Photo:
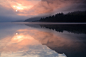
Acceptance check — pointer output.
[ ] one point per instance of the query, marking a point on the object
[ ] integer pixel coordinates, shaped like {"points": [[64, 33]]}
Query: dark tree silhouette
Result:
{"points": [[77, 16]]}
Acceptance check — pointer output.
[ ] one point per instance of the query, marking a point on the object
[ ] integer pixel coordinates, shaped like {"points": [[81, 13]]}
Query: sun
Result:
{"points": [[20, 7], [16, 10]]}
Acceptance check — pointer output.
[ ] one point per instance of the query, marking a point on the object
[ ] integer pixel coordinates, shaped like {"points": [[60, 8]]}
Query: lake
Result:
{"points": [[32, 39]]}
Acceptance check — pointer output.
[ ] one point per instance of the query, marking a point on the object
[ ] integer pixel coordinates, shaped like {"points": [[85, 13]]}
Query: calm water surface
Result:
{"points": [[42, 40]]}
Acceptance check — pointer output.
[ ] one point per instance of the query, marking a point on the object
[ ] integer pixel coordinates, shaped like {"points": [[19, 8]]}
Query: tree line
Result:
{"points": [[77, 16]]}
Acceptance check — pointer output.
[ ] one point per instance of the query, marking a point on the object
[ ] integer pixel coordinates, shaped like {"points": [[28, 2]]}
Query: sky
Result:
{"points": [[12, 10]]}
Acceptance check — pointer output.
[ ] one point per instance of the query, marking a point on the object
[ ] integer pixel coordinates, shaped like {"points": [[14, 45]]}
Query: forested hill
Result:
{"points": [[77, 16]]}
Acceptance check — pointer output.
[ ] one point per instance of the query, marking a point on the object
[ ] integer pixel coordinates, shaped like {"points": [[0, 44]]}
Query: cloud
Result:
{"points": [[37, 7], [48, 6], [31, 8]]}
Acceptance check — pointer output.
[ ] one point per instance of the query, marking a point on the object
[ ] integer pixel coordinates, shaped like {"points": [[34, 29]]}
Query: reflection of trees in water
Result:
{"points": [[77, 49], [73, 28], [59, 43]]}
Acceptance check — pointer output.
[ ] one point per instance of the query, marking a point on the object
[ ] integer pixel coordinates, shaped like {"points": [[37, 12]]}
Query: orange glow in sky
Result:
{"points": [[32, 7], [21, 7]]}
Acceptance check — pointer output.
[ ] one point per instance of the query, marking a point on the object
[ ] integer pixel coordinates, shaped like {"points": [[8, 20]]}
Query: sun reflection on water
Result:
{"points": [[23, 44]]}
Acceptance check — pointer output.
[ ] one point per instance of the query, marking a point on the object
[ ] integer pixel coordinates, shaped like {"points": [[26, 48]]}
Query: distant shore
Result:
{"points": [[74, 17]]}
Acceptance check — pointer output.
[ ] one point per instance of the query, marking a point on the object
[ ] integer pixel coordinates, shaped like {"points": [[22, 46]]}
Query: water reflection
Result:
{"points": [[73, 28], [26, 43], [30, 41], [59, 38]]}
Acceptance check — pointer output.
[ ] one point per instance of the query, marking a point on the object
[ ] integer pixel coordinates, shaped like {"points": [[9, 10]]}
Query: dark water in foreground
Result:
{"points": [[42, 40]]}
